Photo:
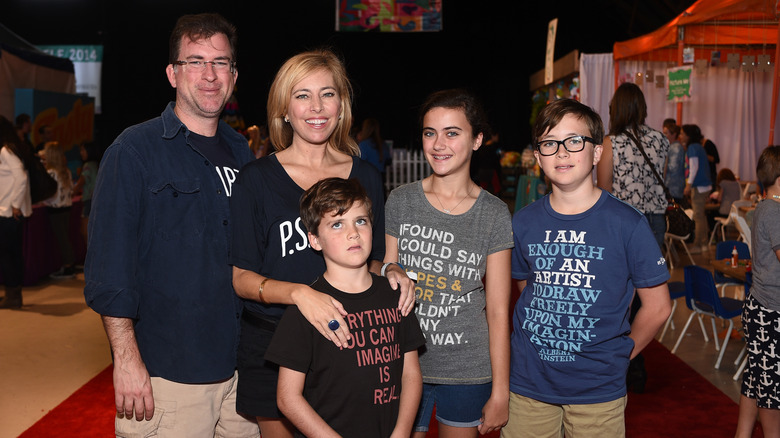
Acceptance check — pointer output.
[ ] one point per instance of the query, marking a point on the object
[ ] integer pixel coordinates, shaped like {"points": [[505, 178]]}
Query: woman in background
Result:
{"points": [[624, 172], [86, 182], [698, 185], [58, 206], [15, 205], [372, 146]]}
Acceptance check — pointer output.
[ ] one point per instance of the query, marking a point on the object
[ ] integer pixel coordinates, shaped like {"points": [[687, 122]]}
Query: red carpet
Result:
{"points": [[677, 402], [89, 412]]}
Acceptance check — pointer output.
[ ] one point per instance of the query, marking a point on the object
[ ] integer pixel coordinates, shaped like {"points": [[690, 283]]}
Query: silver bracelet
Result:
{"points": [[384, 268]]}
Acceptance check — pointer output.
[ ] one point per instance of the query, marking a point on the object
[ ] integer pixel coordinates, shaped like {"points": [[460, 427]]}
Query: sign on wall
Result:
{"points": [[388, 15], [679, 84], [87, 63]]}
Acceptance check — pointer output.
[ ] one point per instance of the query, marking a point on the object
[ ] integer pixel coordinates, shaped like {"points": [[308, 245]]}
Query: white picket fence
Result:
{"points": [[407, 166]]}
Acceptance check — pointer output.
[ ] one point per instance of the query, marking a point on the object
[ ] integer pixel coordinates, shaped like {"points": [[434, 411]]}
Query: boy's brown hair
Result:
{"points": [[332, 196], [768, 167], [551, 115]]}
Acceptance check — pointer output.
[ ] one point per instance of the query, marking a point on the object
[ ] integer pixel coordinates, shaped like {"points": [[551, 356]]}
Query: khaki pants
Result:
{"points": [[529, 418], [191, 410]]}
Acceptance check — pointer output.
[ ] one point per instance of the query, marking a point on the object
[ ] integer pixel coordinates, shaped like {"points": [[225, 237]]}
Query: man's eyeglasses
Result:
{"points": [[200, 66], [572, 144]]}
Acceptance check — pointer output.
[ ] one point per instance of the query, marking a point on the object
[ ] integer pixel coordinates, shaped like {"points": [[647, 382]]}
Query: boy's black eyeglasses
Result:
{"points": [[575, 143], [200, 66]]}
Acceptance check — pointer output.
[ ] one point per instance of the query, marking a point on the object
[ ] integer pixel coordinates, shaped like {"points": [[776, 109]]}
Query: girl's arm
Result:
{"points": [[289, 397], [411, 391], [318, 308], [498, 285]]}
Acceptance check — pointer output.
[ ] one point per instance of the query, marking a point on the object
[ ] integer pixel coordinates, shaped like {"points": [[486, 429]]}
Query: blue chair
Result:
{"points": [[701, 296], [676, 290], [723, 251]]}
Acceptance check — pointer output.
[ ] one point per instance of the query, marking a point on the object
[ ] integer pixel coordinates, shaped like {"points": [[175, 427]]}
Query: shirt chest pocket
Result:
{"points": [[179, 210]]}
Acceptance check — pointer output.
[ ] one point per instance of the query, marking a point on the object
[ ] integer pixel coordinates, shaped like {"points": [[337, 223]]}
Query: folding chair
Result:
{"points": [[670, 238], [676, 290], [701, 296]]}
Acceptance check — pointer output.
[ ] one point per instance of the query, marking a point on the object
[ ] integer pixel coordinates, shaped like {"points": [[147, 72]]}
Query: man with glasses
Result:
{"points": [[156, 267]]}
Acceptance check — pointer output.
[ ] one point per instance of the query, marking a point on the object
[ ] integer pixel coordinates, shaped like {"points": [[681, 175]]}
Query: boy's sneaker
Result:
{"points": [[63, 273]]}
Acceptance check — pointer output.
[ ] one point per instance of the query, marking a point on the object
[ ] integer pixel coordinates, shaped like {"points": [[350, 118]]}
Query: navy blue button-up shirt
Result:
{"points": [[159, 233]]}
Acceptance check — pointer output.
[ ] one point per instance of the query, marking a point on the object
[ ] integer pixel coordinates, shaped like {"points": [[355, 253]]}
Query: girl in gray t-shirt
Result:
{"points": [[456, 238]]}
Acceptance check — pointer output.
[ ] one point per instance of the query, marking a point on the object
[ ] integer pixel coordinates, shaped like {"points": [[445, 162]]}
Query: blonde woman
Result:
{"points": [[58, 206], [309, 121]]}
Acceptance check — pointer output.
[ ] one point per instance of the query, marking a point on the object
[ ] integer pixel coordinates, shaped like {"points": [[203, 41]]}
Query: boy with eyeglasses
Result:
{"points": [[579, 255]]}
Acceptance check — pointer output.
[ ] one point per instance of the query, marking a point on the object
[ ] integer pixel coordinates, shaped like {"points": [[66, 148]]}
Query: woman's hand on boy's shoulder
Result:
{"points": [[399, 280]]}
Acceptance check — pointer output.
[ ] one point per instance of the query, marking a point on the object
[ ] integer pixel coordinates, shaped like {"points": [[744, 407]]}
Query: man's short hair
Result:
{"points": [[198, 27], [332, 196]]}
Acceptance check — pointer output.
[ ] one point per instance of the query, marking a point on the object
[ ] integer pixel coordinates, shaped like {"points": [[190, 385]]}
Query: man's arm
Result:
{"points": [[289, 397], [656, 308], [411, 391], [132, 385]]}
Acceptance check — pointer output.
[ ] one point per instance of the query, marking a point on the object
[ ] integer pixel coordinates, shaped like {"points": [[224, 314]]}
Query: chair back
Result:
{"points": [[701, 295], [723, 249], [744, 231]]}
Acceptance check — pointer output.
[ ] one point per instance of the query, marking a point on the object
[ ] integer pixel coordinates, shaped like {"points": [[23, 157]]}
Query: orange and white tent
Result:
{"points": [[735, 107], [741, 27]]}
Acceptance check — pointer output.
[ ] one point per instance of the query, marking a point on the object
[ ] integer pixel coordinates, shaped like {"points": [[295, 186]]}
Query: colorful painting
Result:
{"points": [[389, 15]]}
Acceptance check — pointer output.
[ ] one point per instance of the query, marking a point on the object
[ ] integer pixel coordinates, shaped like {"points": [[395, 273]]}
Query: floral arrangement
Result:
{"points": [[510, 159]]}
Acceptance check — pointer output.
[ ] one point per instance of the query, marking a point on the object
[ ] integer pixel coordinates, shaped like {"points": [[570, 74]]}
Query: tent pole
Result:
{"points": [[680, 47], [775, 86]]}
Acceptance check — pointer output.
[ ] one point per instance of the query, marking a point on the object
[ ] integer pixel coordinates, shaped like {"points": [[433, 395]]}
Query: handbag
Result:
{"points": [[677, 220]]}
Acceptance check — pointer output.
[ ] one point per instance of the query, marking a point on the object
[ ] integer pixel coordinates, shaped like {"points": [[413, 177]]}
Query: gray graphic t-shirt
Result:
{"points": [[449, 254]]}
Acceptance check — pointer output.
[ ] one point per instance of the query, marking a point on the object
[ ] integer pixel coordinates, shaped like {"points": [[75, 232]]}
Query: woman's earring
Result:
{"points": [[286, 120]]}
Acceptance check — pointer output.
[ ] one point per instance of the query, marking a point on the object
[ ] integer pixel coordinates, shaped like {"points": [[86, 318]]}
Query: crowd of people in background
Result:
{"points": [[287, 235]]}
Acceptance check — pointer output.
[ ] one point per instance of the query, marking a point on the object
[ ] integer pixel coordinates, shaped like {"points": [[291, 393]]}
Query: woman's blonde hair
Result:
{"points": [[295, 70], [54, 157]]}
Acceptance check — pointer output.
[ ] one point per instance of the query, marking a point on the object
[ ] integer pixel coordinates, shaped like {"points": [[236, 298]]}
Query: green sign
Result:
{"points": [[679, 89]]}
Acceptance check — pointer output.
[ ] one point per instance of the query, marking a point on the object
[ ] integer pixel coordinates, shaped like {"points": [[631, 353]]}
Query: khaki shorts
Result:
{"points": [[529, 418], [191, 410]]}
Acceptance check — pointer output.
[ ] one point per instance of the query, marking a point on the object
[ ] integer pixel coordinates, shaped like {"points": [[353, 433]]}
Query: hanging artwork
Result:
{"points": [[679, 84], [388, 15], [764, 64]]}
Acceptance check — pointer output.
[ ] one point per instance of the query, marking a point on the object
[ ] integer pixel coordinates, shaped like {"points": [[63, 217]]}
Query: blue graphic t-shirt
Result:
{"points": [[570, 341]]}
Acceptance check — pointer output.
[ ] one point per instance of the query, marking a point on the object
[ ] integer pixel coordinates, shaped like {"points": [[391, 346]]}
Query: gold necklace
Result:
{"points": [[456, 205]]}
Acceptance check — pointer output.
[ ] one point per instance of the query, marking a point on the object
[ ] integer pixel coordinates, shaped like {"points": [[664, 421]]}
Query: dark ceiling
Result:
{"points": [[491, 49]]}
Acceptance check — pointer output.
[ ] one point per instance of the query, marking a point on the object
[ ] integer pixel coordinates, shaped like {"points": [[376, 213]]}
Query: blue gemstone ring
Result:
{"points": [[333, 325]]}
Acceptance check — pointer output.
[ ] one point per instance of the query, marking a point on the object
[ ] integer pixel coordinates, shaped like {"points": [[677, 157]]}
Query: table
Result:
{"points": [[39, 246], [738, 272]]}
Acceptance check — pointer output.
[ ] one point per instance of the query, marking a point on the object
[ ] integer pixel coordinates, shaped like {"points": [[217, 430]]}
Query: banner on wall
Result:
{"points": [[388, 15], [71, 117], [549, 57], [679, 83], [87, 63]]}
